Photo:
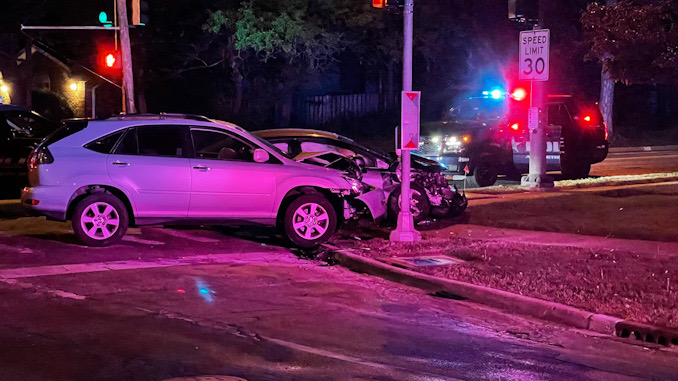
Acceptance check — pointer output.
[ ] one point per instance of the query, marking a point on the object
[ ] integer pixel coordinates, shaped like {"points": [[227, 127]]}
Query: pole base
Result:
{"points": [[537, 182], [404, 231]]}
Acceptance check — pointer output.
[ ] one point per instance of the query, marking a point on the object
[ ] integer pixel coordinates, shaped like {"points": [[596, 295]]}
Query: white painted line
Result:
{"points": [[21, 250], [185, 235], [47, 291], [133, 238], [244, 258]]}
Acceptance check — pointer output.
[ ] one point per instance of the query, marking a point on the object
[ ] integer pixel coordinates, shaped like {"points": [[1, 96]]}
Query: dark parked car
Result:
{"points": [[486, 141], [431, 193], [20, 132]]}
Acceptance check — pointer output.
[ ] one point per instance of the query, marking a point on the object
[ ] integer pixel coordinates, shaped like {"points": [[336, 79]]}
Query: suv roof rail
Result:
{"points": [[160, 116]]}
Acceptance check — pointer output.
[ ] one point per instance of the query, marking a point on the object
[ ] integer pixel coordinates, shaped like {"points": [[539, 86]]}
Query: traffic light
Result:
{"points": [[139, 12], [109, 61], [387, 3]]}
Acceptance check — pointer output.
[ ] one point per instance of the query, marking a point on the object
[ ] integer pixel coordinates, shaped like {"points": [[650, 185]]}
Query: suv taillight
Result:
{"points": [[40, 155]]}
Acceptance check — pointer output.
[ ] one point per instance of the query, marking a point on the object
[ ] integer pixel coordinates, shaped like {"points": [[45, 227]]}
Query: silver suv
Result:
{"points": [[106, 175]]}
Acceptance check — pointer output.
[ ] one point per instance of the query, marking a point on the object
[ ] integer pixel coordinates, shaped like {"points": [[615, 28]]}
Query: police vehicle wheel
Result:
{"points": [[484, 175]]}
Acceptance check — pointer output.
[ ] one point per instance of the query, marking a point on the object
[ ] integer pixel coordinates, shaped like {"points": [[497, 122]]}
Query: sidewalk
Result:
{"points": [[647, 249]]}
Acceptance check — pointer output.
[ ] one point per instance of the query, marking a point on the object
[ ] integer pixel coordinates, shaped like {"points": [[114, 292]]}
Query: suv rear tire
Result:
{"points": [[100, 219], [309, 220]]}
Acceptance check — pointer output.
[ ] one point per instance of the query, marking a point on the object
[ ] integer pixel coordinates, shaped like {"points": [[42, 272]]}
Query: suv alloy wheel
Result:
{"points": [[309, 220], [100, 219]]}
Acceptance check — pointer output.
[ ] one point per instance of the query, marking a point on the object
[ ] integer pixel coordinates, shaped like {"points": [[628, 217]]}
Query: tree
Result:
{"points": [[291, 38], [635, 43]]}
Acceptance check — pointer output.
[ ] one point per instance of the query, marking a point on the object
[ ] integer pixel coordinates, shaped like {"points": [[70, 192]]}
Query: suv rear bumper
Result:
{"points": [[51, 201]]}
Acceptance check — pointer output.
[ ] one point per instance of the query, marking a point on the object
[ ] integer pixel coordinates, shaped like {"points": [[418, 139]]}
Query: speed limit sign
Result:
{"points": [[534, 55]]}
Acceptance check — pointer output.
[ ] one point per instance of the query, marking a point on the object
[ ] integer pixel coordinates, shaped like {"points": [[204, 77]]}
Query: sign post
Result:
{"points": [[409, 132], [534, 67]]}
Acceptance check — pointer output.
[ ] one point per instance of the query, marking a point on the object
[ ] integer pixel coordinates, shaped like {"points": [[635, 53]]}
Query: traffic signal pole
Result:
{"points": [[126, 52], [405, 231]]}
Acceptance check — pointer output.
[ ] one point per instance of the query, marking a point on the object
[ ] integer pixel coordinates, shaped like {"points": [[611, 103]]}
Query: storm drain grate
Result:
{"points": [[423, 261], [646, 333]]}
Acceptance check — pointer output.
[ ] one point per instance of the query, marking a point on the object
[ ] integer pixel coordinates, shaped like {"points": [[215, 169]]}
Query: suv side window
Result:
{"points": [[167, 141], [210, 144]]}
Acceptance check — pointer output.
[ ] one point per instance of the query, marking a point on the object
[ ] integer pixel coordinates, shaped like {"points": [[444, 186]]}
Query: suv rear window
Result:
{"points": [[68, 128], [104, 144]]}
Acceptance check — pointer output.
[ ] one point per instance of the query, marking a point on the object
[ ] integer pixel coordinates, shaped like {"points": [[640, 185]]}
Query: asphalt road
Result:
{"points": [[621, 163], [177, 302], [637, 163]]}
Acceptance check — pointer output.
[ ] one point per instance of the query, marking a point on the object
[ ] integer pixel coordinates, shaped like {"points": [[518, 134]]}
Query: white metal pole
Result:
{"points": [[405, 231]]}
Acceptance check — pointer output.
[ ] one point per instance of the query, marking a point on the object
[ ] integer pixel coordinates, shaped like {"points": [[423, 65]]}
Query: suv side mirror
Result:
{"points": [[260, 155]]}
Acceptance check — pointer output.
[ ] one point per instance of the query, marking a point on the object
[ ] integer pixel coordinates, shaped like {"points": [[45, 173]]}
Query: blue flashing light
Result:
{"points": [[496, 94]]}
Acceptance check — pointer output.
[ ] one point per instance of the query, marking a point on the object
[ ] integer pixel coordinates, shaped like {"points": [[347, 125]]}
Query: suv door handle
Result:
{"points": [[120, 163], [202, 168]]}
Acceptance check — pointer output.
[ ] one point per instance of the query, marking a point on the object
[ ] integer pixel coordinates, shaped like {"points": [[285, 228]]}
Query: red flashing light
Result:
{"points": [[378, 3], [519, 94], [515, 126], [587, 118]]}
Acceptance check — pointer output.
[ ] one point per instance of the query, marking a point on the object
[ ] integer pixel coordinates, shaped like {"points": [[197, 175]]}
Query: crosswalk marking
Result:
{"points": [[244, 258]]}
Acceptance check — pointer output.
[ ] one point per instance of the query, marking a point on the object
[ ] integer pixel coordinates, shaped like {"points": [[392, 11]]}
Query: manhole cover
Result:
{"points": [[423, 261]]}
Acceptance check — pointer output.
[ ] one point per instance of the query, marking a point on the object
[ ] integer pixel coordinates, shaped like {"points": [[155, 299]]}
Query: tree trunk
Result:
{"points": [[237, 82], [607, 98], [607, 91]]}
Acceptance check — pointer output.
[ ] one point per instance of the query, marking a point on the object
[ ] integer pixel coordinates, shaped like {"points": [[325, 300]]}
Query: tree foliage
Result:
{"points": [[637, 42]]}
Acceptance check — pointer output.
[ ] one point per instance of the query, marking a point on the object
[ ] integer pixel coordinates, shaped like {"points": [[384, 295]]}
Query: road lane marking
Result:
{"points": [[43, 290], [207, 259], [133, 238], [185, 235], [20, 250]]}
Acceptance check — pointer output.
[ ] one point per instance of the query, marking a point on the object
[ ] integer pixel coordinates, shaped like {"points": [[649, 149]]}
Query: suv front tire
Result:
{"points": [[309, 220]]}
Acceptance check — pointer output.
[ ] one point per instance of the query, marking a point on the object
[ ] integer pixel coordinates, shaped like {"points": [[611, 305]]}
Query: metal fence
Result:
{"points": [[326, 108]]}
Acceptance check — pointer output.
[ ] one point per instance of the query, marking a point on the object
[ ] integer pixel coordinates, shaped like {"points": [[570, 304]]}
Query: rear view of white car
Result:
{"points": [[106, 175]]}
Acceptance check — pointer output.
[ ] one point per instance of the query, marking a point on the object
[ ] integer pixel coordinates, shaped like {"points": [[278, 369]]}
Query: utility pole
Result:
{"points": [[405, 231], [537, 179], [126, 53]]}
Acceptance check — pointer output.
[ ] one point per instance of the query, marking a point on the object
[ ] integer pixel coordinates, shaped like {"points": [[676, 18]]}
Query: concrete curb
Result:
{"points": [[643, 149], [514, 303]]}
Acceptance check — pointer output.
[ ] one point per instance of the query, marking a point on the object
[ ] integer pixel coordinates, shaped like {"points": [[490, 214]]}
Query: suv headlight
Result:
{"points": [[356, 186]]}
